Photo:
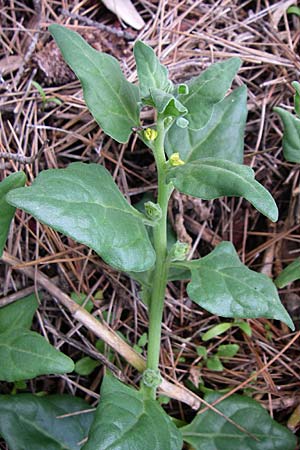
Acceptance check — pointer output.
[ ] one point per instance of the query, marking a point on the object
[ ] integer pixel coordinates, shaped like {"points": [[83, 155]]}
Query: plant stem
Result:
{"points": [[160, 272]]}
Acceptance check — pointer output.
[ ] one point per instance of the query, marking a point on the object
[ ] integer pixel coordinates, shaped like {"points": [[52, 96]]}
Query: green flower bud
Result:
{"points": [[179, 251], [168, 121], [182, 89], [152, 211], [152, 378], [181, 122]]}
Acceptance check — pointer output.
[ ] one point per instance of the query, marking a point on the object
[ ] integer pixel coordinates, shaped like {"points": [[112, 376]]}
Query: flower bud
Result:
{"points": [[179, 251], [152, 378], [150, 134], [152, 211], [175, 160]]}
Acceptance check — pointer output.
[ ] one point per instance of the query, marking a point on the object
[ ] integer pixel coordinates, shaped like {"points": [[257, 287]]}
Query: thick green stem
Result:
{"points": [[160, 272]]}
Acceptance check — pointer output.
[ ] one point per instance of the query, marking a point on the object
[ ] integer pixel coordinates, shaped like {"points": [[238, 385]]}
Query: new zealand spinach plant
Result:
{"points": [[291, 152], [197, 143]]}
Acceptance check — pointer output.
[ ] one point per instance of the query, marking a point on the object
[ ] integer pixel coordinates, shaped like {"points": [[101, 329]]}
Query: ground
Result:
{"points": [[49, 126]]}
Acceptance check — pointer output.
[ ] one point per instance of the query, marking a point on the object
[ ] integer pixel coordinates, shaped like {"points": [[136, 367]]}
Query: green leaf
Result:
{"points": [[210, 431], [294, 10], [125, 420], [80, 300], [40, 91], [245, 327], [83, 202], [112, 100], [85, 366], [289, 274], [296, 86], [14, 181], [151, 74], [201, 351], [27, 355], [222, 137], [223, 285], [227, 350], [143, 340], [178, 273], [18, 314], [207, 89], [216, 331], [211, 178], [291, 135], [166, 104], [35, 423], [213, 363]]}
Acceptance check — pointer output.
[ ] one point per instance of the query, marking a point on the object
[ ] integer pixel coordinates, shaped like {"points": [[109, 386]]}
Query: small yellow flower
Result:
{"points": [[175, 160], [150, 134]]}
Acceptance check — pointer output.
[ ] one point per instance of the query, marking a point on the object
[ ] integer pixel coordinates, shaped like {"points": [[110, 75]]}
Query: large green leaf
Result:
{"points": [[151, 74], [222, 137], [289, 274], [14, 181], [25, 354], [206, 90], [211, 178], [291, 135], [18, 314], [211, 431], [223, 285], [125, 421], [28, 422], [112, 100], [83, 202]]}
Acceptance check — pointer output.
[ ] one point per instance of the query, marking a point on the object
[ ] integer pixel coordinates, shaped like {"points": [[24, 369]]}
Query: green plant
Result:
{"points": [[291, 152], [26, 353], [44, 97], [197, 143], [213, 362], [294, 10]]}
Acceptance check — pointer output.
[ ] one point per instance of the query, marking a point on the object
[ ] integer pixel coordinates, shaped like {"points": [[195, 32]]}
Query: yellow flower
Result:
{"points": [[150, 134], [175, 160]]}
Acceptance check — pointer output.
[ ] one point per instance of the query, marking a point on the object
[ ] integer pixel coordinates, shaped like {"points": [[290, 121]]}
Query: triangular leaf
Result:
{"points": [[223, 285], [151, 74], [84, 203], [291, 135], [206, 90], [211, 431], [112, 100], [211, 178], [289, 274], [27, 355], [35, 423], [18, 314], [222, 137], [14, 181], [124, 420]]}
